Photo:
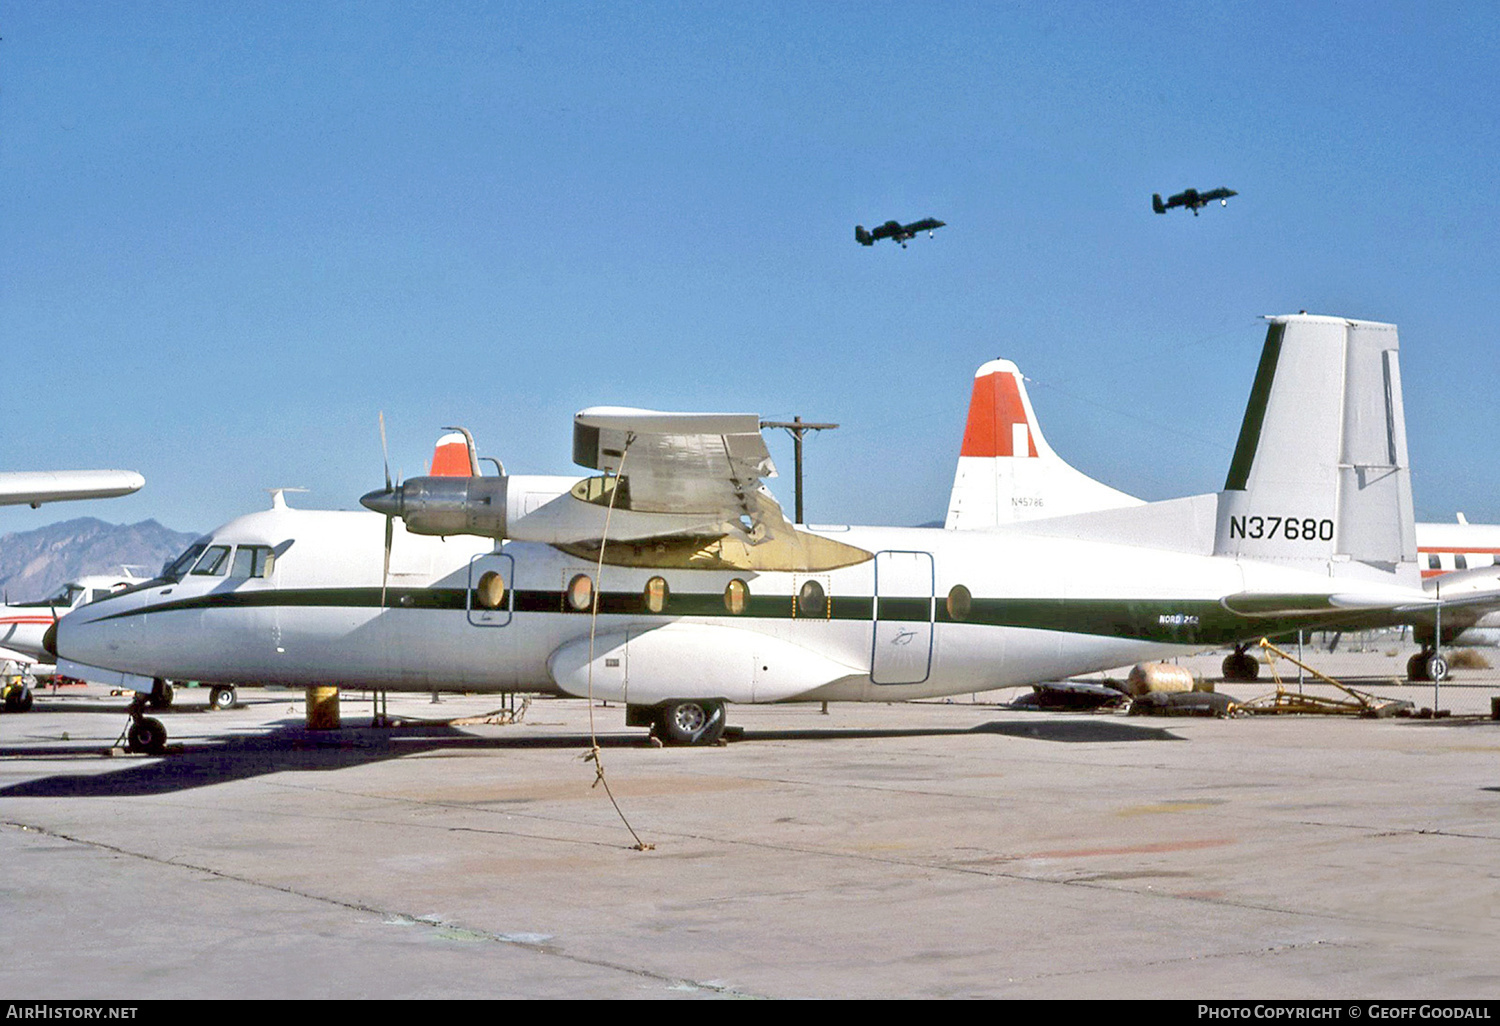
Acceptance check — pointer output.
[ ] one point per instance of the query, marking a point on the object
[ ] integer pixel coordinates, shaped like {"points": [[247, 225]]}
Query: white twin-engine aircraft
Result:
{"points": [[1007, 473], [707, 594]]}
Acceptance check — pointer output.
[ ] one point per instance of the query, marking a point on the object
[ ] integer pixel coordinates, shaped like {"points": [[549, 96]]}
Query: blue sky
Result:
{"points": [[232, 234]]}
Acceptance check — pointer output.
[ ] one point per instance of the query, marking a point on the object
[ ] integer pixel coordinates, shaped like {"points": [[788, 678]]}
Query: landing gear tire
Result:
{"points": [[146, 735], [161, 694], [692, 722], [1241, 666], [1427, 666], [222, 698], [19, 699]]}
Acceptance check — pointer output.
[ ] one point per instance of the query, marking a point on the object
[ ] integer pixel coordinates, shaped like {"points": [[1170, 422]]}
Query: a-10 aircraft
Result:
{"points": [[902, 233], [706, 595], [1192, 199]]}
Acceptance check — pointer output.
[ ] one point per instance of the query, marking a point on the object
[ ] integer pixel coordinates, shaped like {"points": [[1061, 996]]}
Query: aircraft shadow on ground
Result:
{"points": [[291, 747]]}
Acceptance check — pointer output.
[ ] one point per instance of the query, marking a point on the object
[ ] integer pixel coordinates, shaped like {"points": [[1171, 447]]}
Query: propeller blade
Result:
{"points": [[385, 570], [385, 453]]}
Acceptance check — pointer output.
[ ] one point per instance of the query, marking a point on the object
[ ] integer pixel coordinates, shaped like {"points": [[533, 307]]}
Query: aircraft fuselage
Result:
{"points": [[926, 612]]}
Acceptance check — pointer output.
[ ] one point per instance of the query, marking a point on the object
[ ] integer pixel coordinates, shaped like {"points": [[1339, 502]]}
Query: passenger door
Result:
{"points": [[901, 645]]}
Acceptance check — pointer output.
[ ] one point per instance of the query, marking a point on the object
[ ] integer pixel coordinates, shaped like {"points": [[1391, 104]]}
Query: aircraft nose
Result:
{"points": [[386, 501]]}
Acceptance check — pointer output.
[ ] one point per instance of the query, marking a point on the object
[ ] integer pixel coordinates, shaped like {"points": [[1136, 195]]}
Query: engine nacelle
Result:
{"points": [[485, 506], [446, 505]]}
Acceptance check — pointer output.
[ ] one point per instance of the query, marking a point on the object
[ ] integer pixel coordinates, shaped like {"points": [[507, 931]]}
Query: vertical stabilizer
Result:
{"points": [[453, 456], [1320, 473], [1006, 470]]}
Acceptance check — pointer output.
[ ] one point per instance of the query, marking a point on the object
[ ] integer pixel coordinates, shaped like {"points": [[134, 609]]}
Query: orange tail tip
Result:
{"points": [[450, 458], [998, 425]]}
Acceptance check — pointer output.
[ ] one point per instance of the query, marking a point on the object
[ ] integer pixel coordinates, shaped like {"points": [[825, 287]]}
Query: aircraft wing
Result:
{"points": [[35, 488], [927, 224], [683, 463]]}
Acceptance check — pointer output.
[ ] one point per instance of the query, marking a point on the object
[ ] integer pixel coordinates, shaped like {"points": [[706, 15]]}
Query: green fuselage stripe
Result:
{"points": [[1186, 622]]}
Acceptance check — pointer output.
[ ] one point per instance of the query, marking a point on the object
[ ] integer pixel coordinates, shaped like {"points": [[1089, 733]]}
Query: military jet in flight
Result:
{"points": [[1192, 199], [896, 230]]}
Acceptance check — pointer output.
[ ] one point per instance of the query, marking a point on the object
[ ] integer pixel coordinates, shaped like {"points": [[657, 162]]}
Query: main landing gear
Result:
{"points": [[690, 721], [1240, 666], [1427, 665]]}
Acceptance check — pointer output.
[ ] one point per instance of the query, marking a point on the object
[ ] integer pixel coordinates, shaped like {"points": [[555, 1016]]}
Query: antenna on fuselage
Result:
{"points": [[278, 496]]}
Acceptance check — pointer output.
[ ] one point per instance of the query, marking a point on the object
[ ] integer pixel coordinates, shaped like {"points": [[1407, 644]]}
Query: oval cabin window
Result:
{"points": [[959, 602], [490, 591], [655, 595], [736, 596], [581, 592], [811, 600]]}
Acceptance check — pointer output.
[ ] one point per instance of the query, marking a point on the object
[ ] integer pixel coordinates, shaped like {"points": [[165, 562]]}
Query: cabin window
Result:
{"points": [[736, 596], [959, 602], [655, 595], [490, 591], [581, 593], [214, 563], [252, 561], [1461, 561], [812, 600], [1433, 563]]}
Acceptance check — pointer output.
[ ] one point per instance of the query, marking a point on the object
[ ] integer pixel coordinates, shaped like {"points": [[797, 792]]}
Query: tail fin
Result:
{"points": [[1156, 203], [863, 237], [1320, 473], [454, 456], [1006, 470]]}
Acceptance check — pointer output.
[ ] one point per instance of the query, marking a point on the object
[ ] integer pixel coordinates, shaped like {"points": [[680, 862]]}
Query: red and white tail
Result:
{"points": [[453, 456], [1006, 470]]}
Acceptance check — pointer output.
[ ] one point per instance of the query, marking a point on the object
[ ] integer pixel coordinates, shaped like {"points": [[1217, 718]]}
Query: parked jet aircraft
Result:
{"points": [[33, 488], [896, 230], [1008, 473], [24, 624], [705, 594], [1192, 199]]}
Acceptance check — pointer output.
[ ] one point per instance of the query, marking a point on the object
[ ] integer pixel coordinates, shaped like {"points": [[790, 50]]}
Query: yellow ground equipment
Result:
{"points": [[1359, 703]]}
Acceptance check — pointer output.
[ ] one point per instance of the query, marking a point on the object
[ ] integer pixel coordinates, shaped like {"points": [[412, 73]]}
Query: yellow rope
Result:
{"points": [[594, 755]]}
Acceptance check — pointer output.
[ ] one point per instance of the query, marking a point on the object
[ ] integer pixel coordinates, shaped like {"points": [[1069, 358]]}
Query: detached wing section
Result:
{"points": [[35, 488], [676, 490], [707, 466]]}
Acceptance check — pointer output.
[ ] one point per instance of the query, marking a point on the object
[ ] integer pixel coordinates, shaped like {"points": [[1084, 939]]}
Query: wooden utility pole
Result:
{"points": [[796, 427]]}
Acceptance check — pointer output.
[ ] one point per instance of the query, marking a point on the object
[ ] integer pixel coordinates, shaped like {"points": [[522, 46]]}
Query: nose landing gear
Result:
{"points": [[145, 733]]}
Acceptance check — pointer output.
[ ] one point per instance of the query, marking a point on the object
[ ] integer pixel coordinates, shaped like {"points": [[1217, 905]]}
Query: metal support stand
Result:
{"points": [[381, 717], [1437, 641]]}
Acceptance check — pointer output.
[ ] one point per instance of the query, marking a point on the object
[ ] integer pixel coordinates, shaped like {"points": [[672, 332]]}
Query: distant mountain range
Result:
{"points": [[35, 564]]}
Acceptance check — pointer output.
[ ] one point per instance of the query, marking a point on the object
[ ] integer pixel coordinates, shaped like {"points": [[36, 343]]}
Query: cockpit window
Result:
{"points": [[67, 596], [213, 563], [252, 561], [179, 566]]}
